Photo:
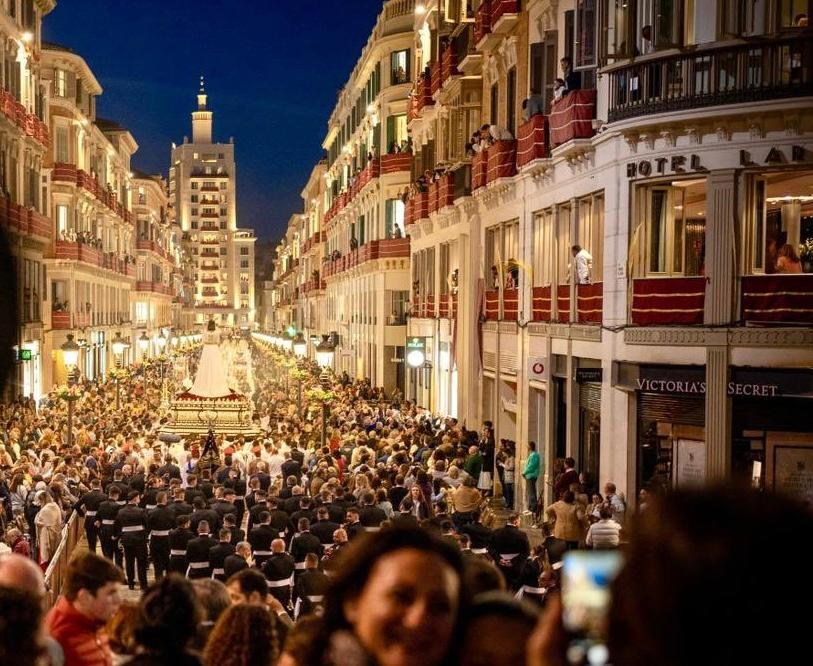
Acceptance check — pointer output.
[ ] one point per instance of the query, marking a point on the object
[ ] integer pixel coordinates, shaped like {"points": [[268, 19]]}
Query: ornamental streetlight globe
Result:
{"points": [[415, 358], [70, 351], [161, 341], [119, 344], [143, 342], [324, 353]]}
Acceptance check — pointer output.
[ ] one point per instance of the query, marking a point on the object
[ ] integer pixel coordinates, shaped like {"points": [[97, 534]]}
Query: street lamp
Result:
{"points": [[119, 344], [287, 342], [324, 357], [300, 346], [70, 354], [161, 341], [143, 343]]}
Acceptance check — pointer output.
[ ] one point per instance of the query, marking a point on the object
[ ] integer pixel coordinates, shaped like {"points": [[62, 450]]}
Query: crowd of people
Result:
{"points": [[378, 544]]}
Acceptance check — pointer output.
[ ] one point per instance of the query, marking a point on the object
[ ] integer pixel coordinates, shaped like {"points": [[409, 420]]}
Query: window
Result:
{"points": [[222, 224], [194, 211], [244, 251], [399, 67], [244, 263], [794, 13], [62, 146], [194, 198], [223, 185], [495, 103], [223, 211], [60, 83], [779, 213], [221, 156], [585, 45], [61, 219], [590, 230], [394, 218], [543, 244], [396, 131], [671, 237], [194, 184], [141, 312]]}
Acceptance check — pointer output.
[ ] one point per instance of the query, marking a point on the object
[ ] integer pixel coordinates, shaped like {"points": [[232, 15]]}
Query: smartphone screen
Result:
{"points": [[586, 578]]}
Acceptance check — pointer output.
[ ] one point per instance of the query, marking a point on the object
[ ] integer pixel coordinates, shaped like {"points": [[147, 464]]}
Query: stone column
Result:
{"points": [[720, 262], [718, 411]]}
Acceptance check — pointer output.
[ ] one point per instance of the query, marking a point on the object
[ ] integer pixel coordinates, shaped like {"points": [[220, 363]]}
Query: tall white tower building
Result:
{"points": [[203, 191]]}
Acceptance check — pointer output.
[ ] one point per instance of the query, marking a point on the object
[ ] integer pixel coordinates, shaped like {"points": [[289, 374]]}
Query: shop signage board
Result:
{"points": [[789, 468], [743, 382], [585, 375], [690, 463], [538, 369]]}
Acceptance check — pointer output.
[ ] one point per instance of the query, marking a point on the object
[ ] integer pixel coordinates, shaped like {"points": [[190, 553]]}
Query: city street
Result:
{"points": [[499, 350]]}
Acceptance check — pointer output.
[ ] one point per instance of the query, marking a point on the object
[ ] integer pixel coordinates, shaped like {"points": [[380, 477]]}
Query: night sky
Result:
{"points": [[272, 70]]}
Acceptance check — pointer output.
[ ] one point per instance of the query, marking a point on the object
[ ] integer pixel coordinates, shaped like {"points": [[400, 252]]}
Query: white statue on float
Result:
{"points": [[210, 403]]}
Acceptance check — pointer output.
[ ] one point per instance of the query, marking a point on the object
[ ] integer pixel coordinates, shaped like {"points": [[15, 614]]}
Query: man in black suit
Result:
{"points": [[310, 587], [279, 571], [509, 549], [219, 553], [397, 492], [260, 538], [324, 528], [237, 561], [200, 513], [131, 526], [303, 543], [573, 80], [197, 552], [291, 467], [87, 506], [237, 534], [370, 515], [161, 521], [179, 539]]}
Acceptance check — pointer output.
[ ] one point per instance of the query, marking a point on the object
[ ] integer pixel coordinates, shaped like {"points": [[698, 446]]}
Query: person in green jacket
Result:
{"points": [[474, 463], [531, 474]]}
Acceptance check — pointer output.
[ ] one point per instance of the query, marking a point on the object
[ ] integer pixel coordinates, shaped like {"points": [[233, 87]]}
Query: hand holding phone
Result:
{"points": [[586, 579]]}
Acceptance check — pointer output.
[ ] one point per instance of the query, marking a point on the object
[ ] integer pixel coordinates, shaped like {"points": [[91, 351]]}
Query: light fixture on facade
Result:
{"points": [[143, 342], [420, 9], [119, 344], [27, 37]]}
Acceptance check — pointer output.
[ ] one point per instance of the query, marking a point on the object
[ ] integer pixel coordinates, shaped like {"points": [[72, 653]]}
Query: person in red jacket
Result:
{"points": [[91, 598]]}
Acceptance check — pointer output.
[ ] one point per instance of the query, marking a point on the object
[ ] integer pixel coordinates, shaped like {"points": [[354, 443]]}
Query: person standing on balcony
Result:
{"points": [[573, 80], [583, 261], [533, 106]]}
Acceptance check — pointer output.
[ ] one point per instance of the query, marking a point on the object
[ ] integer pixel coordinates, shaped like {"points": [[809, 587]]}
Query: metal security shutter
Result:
{"points": [[590, 396], [672, 409]]}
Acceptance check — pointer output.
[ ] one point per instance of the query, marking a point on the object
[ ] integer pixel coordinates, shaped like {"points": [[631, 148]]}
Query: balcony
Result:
{"points": [[420, 97], [563, 303], [153, 287], [504, 15], [28, 122], [710, 77], [152, 246], [479, 170], [365, 177], [470, 61], [668, 301], [75, 251], [24, 221], [482, 25], [448, 63], [417, 208], [63, 173], [589, 303], [542, 303], [572, 117], [777, 299], [502, 159], [510, 305], [396, 162], [492, 308], [435, 77], [532, 142]]}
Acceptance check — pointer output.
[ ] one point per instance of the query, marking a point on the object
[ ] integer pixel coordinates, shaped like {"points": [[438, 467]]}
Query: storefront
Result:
{"points": [[768, 407], [588, 379]]}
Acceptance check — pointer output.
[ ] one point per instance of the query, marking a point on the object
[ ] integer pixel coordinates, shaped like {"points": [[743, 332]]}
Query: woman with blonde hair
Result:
{"points": [[244, 635]]}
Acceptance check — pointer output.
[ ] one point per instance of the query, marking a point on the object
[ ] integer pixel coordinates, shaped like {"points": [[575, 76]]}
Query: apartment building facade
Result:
{"points": [[24, 138], [679, 160], [202, 191], [352, 259]]}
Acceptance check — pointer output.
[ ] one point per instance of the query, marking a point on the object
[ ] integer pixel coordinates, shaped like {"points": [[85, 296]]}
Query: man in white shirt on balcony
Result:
{"points": [[583, 261]]}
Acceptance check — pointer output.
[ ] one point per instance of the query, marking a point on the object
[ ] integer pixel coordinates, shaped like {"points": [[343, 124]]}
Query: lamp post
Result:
{"points": [[118, 344], [300, 345], [144, 346], [70, 354], [324, 357]]}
